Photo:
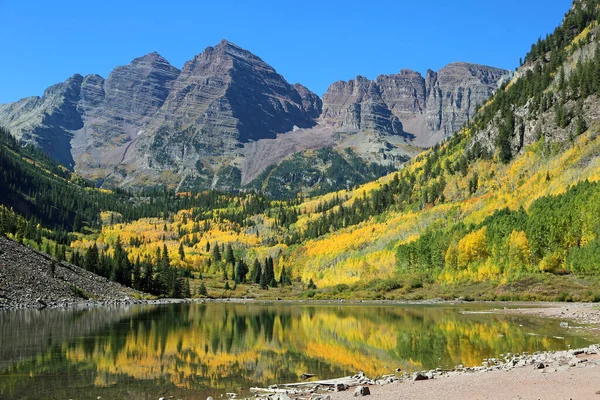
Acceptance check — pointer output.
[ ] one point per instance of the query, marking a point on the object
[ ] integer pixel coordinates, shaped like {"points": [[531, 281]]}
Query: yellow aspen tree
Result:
{"points": [[519, 253], [472, 248]]}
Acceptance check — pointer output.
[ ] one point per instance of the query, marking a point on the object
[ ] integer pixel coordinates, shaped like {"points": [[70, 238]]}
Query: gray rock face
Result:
{"points": [[426, 109], [228, 90], [311, 103], [358, 105], [455, 92], [47, 121]]}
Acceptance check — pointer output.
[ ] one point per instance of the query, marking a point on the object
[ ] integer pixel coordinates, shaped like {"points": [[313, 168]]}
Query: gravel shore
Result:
{"points": [[569, 374]]}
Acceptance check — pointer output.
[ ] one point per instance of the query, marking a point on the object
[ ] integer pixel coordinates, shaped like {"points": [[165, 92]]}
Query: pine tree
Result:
{"points": [[229, 257], [256, 271], [284, 278], [216, 253], [241, 270], [187, 293], [263, 281], [148, 279], [581, 125], [270, 273], [91, 259], [202, 290], [137, 275], [165, 260], [77, 223], [225, 276], [181, 252]]}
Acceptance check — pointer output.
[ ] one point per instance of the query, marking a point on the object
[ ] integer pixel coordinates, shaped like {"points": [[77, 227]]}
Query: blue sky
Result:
{"points": [[312, 42]]}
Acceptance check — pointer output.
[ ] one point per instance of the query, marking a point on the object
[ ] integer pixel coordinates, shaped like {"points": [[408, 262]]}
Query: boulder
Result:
{"points": [[362, 391], [419, 376]]}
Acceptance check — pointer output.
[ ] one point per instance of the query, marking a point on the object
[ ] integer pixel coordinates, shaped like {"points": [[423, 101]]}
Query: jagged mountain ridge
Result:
{"points": [[150, 123], [425, 109]]}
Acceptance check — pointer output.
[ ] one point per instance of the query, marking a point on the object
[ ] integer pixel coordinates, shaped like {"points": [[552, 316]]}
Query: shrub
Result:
{"points": [[77, 291], [564, 297], [387, 285]]}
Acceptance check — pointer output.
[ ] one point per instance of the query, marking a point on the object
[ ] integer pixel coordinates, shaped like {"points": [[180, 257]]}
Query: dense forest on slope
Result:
{"points": [[507, 208]]}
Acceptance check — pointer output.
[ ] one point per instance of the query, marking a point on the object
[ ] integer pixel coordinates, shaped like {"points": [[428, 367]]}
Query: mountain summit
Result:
{"points": [[227, 116]]}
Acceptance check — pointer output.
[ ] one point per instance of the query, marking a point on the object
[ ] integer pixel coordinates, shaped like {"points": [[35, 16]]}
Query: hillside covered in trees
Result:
{"points": [[509, 208]]}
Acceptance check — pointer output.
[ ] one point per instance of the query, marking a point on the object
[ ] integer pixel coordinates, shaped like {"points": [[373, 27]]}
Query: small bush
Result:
{"points": [[77, 291], [416, 283], [342, 287], [387, 285], [564, 297]]}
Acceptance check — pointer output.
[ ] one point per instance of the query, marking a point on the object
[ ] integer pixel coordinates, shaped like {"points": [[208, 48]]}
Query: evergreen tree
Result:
{"points": [[256, 271], [581, 125], [77, 223], [91, 259], [284, 279], [270, 272], [148, 278], [187, 293], [229, 257], [225, 275], [137, 275], [181, 252], [202, 290], [263, 281], [216, 253], [241, 270]]}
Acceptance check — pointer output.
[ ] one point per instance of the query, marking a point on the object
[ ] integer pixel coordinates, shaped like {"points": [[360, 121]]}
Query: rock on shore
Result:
{"points": [[31, 279]]}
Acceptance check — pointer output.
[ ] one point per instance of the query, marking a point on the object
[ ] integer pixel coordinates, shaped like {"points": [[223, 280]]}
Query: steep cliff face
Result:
{"points": [[226, 96], [454, 93], [116, 111], [47, 122], [424, 109]]}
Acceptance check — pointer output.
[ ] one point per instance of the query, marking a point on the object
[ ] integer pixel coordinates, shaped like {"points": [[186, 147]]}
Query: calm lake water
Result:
{"points": [[191, 351]]}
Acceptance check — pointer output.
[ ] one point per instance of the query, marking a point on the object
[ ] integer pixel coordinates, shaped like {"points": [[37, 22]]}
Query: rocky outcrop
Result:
{"points": [[424, 109], [311, 103], [227, 90], [49, 121], [358, 105], [31, 279], [454, 93]]}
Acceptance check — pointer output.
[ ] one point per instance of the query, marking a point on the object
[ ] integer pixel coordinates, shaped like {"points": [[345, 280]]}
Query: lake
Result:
{"points": [[196, 350]]}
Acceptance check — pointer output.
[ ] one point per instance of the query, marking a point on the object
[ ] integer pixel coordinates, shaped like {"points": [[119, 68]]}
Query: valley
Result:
{"points": [[212, 228]]}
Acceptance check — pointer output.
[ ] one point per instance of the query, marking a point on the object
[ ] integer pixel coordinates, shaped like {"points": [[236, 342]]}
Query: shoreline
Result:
{"points": [[565, 374], [570, 374], [585, 313]]}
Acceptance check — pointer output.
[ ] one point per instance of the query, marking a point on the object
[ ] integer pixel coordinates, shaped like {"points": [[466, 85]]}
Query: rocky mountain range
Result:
{"points": [[227, 120]]}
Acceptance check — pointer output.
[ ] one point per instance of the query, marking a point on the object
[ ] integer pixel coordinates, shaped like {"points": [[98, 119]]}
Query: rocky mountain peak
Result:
{"points": [[408, 72], [148, 121], [429, 108], [151, 59]]}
